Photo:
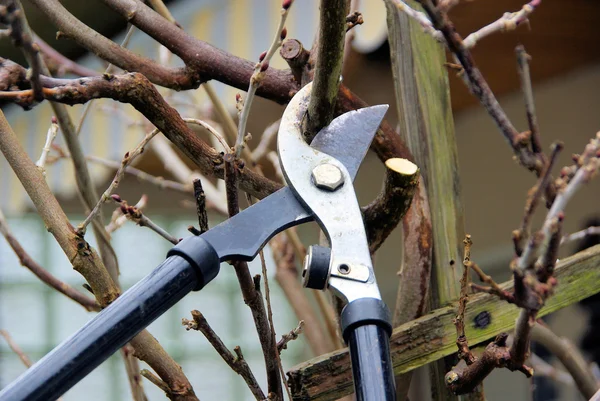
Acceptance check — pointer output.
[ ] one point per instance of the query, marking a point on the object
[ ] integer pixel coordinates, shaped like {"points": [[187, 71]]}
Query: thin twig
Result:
{"points": [[270, 313], [160, 182], [52, 131], [118, 219], [579, 235], [521, 235], [134, 214], [523, 69], [200, 205], [292, 335], [259, 74], [156, 381], [237, 363], [508, 22], [27, 261], [16, 349], [545, 369], [461, 339], [127, 159]]}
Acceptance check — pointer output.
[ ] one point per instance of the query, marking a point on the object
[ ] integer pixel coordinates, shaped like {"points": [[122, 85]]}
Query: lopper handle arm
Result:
{"points": [[189, 266]]}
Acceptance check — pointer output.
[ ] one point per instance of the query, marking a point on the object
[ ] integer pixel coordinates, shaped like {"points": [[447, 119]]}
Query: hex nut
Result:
{"points": [[327, 176]]}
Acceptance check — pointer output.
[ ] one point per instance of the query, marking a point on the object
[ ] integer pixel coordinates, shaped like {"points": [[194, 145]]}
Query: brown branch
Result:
{"points": [[523, 69], [200, 206], [579, 235], [292, 335], [401, 180], [136, 90], [521, 235], [27, 261], [237, 363], [135, 214], [296, 56], [12, 14], [69, 26], [82, 175], [461, 339], [16, 349], [327, 73], [569, 356], [494, 356], [414, 275]]}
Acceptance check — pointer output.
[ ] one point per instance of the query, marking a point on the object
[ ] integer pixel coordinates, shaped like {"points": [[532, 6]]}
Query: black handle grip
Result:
{"points": [[366, 328], [190, 266], [371, 363]]}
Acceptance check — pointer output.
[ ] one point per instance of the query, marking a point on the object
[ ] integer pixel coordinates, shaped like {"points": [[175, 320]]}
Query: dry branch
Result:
{"points": [[328, 69], [28, 262], [237, 363]]}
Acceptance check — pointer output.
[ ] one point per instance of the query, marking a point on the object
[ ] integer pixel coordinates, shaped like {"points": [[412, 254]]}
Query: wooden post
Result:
{"points": [[426, 124]]}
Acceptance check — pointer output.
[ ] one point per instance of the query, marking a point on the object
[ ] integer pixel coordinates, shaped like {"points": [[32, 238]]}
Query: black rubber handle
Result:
{"points": [[190, 266], [366, 328]]}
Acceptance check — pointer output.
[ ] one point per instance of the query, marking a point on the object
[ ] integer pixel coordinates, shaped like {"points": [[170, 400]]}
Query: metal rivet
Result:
{"points": [[327, 176], [344, 269]]}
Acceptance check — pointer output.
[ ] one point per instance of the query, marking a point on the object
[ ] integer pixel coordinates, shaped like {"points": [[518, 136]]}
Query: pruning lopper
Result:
{"points": [[319, 179]]}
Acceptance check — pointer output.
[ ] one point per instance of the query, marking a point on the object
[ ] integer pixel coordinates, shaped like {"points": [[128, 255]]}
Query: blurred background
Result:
{"points": [[563, 40]]}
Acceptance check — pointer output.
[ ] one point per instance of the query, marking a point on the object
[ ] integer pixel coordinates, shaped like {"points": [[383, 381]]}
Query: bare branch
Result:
{"points": [[258, 76], [292, 335], [135, 214], [238, 364], [52, 131], [127, 159], [328, 69], [16, 349]]}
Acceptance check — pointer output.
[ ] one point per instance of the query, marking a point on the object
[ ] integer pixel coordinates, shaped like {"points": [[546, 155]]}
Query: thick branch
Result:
{"points": [[71, 27], [330, 53], [401, 181]]}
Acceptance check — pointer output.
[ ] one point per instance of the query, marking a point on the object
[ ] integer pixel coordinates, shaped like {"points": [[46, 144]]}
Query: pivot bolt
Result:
{"points": [[327, 176]]}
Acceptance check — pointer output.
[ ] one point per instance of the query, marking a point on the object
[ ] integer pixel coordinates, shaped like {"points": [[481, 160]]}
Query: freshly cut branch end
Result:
{"points": [[401, 166]]}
